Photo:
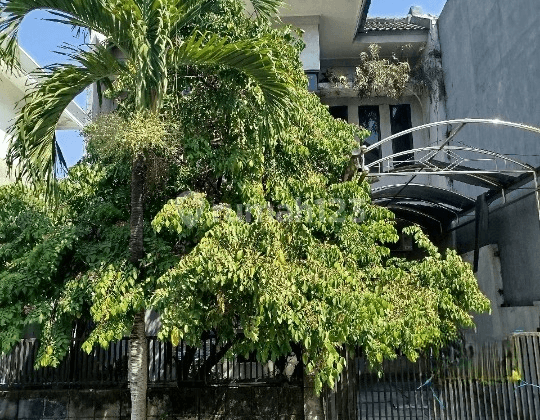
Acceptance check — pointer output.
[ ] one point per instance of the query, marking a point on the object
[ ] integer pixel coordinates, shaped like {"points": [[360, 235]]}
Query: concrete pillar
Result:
{"points": [[386, 131], [313, 408], [311, 55]]}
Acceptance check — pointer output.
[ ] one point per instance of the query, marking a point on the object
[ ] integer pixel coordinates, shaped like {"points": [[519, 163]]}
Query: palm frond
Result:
{"points": [[250, 57], [33, 148], [113, 19], [188, 11], [9, 47], [163, 22], [150, 55], [267, 8]]}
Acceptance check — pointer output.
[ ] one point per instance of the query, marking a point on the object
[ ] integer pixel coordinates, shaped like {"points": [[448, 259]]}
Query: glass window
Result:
{"points": [[341, 111], [400, 120], [312, 80], [369, 118]]}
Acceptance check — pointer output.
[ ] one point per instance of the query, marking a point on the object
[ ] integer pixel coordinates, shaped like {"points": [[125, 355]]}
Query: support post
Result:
{"points": [[313, 408], [536, 194], [481, 227]]}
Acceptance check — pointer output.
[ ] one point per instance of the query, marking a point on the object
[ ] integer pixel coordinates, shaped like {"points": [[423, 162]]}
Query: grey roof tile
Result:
{"points": [[390, 24]]}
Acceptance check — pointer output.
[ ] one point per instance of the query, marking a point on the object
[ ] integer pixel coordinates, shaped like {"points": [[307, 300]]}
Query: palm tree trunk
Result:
{"points": [[138, 368], [138, 357], [138, 178]]}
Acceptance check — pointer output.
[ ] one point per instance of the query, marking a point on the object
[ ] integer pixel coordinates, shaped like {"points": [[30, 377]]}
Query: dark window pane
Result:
{"points": [[341, 111], [400, 119], [368, 117], [312, 81]]}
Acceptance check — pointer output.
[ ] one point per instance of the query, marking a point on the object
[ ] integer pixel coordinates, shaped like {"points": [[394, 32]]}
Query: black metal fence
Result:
{"points": [[102, 367], [494, 381], [167, 365], [184, 365]]}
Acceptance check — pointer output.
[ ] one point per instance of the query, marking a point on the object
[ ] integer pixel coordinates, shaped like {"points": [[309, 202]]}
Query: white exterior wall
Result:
{"points": [[3, 138], [9, 96], [311, 56]]}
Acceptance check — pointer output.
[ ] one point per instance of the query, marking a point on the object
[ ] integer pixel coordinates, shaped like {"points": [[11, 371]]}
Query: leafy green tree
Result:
{"points": [[280, 239], [265, 238], [145, 39]]}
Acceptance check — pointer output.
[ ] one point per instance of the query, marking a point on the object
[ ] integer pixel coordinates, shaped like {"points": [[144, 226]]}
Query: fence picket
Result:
{"points": [[523, 391], [462, 390], [421, 380], [473, 383], [351, 386], [383, 399], [451, 398], [445, 397], [418, 402], [531, 374], [499, 350], [494, 380], [536, 368], [470, 384]]}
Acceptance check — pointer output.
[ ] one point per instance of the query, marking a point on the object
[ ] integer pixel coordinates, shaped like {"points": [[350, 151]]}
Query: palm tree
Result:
{"points": [[146, 33]]}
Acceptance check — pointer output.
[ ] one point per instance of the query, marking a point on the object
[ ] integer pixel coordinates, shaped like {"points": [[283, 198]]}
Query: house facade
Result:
{"points": [[472, 185]]}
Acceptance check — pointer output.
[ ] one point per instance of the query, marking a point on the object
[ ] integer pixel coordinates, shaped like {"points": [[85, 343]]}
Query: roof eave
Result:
{"points": [[401, 36], [362, 16], [73, 117]]}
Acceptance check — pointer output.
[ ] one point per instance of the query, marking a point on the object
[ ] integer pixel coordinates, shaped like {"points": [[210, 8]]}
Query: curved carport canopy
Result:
{"points": [[425, 205], [432, 206]]}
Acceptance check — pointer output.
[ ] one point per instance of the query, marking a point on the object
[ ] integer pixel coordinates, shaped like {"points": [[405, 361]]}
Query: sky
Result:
{"points": [[40, 39], [396, 8]]}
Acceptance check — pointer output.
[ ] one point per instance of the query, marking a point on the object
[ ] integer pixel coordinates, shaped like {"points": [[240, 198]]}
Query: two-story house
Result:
{"points": [[471, 184]]}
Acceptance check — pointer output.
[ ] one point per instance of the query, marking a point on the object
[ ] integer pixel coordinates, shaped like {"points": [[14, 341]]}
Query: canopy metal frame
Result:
{"points": [[448, 160]]}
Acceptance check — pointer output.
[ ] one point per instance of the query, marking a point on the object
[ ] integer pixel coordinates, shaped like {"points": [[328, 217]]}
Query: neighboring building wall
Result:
{"points": [[490, 59], [490, 55], [515, 228]]}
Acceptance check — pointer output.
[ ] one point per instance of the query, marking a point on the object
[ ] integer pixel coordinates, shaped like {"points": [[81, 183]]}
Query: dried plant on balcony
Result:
{"points": [[337, 77], [377, 76]]}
